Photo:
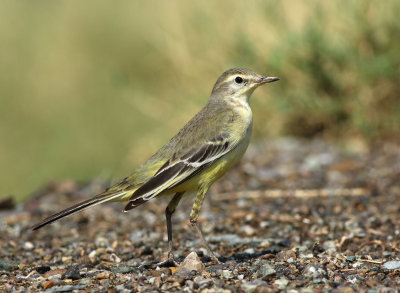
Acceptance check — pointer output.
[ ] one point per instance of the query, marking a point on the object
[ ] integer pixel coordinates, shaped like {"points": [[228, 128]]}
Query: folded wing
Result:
{"points": [[178, 170]]}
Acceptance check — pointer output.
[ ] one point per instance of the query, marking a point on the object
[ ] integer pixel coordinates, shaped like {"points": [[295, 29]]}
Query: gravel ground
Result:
{"points": [[296, 216]]}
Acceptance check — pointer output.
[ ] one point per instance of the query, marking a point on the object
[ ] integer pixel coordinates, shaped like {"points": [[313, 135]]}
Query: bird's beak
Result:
{"points": [[266, 79]]}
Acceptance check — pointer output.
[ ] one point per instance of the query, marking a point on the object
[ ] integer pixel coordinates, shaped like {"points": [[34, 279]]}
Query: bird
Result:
{"points": [[210, 144]]}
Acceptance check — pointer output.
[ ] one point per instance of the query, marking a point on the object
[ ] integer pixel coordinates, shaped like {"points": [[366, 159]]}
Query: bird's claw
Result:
{"points": [[169, 262]]}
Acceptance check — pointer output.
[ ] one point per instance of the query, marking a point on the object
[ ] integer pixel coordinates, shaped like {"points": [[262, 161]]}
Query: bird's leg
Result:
{"points": [[168, 215], [194, 215]]}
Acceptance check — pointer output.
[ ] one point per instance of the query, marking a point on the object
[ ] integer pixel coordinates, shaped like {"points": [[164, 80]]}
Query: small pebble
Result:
{"points": [[72, 273], [56, 272], [252, 286], [43, 269], [284, 255], [68, 288], [92, 254], [392, 265], [66, 259], [192, 263], [101, 241], [226, 274], [48, 284], [123, 269], [28, 245], [114, 258], [262, 268], [281, 283], [8, 265], [351, 258], [85, 281], [22, 266], [248, 230], [102, 275], [250, 250], [314, 270]]}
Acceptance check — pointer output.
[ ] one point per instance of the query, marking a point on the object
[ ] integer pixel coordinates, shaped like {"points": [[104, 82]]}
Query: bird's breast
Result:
{"points": [[242, 122]]}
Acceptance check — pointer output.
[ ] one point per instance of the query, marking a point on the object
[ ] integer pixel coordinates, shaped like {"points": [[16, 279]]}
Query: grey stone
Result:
{"points": [[192, 263], [227, 274], [250, 250], [351, 258], [392, 265], [252, 286], [8, 265], [281, 283], [201, 283], [185, 273], [85, 281], [124, 269], [217, 267], [314, 271], [233, 240], [262, 268], [67, 288], [101, 241], [72, 273]]}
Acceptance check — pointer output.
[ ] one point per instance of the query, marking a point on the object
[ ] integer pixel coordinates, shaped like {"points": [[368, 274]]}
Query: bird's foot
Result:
{"points": [[169, 262]]}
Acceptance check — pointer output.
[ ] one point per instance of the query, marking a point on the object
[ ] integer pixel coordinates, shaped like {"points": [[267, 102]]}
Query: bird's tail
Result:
{"points": [[98, 199]]}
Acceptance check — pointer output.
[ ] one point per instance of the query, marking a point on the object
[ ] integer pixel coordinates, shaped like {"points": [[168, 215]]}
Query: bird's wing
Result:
{"points": [[178, 170]]}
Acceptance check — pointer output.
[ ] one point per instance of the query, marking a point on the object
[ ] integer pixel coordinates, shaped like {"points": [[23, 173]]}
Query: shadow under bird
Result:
{"points": [[210, 144]]}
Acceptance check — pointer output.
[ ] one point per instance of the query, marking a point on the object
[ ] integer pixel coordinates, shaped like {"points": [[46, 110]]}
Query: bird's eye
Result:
{"points": [[238, 79]]}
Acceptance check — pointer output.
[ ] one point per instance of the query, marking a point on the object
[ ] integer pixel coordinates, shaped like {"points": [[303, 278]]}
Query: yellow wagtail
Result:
{"points": [[210, 144]]}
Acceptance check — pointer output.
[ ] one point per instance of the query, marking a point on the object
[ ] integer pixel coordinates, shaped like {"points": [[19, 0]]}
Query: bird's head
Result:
{"points": [[239, 83]]}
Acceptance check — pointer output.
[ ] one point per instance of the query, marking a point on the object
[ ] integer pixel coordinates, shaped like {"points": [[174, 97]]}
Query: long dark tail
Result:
{"points": [[98, 199]]}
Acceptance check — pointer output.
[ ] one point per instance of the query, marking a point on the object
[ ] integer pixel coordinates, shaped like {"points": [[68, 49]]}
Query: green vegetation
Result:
{"points": [[92, 88], [344, 70]]}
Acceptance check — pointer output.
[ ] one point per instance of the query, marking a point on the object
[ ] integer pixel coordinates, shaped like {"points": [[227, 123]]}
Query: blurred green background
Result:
{"points": [[92, 88]]}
